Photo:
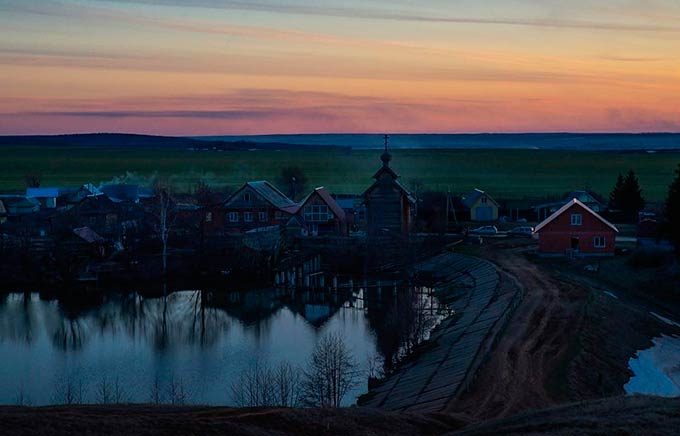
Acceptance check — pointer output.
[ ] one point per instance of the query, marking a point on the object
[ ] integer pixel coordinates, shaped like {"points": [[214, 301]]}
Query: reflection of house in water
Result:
{"points": [[249, 307], [316, 307], [389, 205]]}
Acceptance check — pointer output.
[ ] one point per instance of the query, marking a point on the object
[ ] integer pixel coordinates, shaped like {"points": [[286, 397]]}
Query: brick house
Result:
{"points": [[576, 230]]}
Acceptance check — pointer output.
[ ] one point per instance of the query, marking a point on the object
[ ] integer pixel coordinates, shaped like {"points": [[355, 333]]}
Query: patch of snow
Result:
{"points": [[611, 294], [656, 370], [664, 319]]}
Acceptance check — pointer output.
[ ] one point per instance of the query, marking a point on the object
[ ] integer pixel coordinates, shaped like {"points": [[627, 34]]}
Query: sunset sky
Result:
{"points": [[304, 66]]}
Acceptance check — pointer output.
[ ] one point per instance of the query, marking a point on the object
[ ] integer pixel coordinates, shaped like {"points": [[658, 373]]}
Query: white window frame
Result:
{"points": [[233, 217], [262, 217], [576, 219], [208, 217], [600, 242], [248, 217], [317, 213]]}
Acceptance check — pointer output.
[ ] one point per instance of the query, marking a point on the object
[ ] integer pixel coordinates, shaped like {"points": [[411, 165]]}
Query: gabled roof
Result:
{"points": [[386, 169], [42, 192], [561, 210], [20, 204], [396, 182], [120, 193], [270, 194], [583, 196], [328, 199], [473, 196]]}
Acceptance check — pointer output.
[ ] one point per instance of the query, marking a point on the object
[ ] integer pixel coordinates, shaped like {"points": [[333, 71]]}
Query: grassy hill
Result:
{"points": [[503, 173]]}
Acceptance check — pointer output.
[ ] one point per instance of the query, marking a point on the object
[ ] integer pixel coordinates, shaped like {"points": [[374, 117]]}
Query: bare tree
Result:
{"points": [[68, 392], [263, 385], [165, 213], [118, 392], [332, 372], [286, 385], [21, 398], [156, 391], [254, 387], [104, 392], [204, 197], [177, 393]]}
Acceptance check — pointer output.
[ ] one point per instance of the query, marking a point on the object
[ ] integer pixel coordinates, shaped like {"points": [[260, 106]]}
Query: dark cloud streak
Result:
{"points": [[374, 14]]}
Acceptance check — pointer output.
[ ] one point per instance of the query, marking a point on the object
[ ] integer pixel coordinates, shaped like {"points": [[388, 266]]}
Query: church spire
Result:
{"points": [[386, 156]]}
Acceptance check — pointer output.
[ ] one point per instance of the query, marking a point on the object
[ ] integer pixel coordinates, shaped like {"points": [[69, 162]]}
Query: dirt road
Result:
{"points": [[565, 342], [515, 377]]}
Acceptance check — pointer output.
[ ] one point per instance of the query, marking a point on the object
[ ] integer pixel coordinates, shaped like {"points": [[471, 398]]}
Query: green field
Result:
{"points": [[505, 174]]}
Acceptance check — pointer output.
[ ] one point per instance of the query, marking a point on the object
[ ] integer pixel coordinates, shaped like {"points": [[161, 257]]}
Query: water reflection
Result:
{"points": [[205, 339]]}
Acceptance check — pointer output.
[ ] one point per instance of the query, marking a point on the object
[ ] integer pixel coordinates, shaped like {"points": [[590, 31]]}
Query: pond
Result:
{"points": [[656, 370], [144, 346]]}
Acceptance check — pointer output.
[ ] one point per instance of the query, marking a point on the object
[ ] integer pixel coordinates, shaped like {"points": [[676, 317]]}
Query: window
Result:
{"points": [[233, 217], [484, 200], [317, 213], [248, 217], [262, 217], [246, 197], [599, 242], [576, 219], [208, 217]]}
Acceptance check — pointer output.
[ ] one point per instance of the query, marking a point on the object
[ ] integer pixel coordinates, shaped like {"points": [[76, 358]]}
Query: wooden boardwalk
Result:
{"points": [[483, 299]]}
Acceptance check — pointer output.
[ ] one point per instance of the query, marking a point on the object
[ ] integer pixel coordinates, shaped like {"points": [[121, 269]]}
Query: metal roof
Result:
{"points": [[473, 196], [328, 199], [584, 197], [42, 192], [561, 210], [271, 194], [119, 193]]}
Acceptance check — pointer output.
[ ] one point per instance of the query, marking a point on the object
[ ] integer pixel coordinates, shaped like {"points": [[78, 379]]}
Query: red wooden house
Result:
{"points": [[321, 214], [576, 230], [257, 204]]}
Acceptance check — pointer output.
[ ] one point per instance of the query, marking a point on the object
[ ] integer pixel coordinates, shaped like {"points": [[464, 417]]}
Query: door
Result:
{"points": [[575, 244]]}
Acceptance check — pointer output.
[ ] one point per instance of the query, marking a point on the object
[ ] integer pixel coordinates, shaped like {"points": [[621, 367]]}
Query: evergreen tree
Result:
{"points": [[616, 194], [673, 209], [632, 201], [626, 197]]}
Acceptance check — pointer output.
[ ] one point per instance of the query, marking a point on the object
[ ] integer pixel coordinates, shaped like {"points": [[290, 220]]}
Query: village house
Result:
{"points": [[321, 214], [543, 210], [576, 230], [46, 196], [481, 206], [389, 205], [257, 204], [355, 210], [3, 213], [18, 205], [122, 193]]}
